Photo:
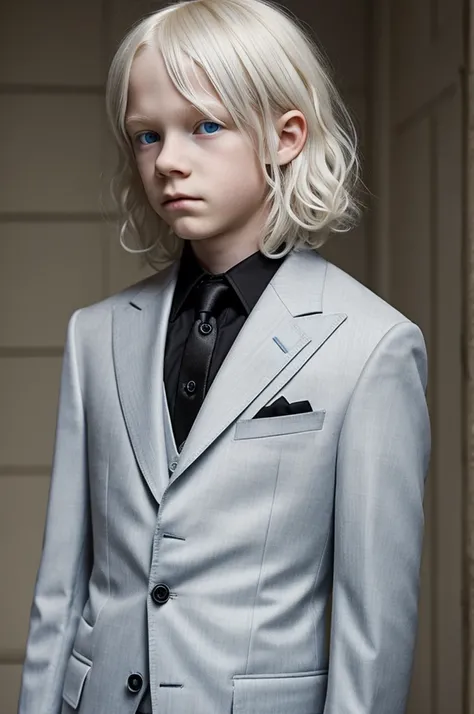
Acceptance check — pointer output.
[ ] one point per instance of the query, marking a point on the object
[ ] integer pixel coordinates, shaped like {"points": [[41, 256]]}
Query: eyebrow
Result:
{"points": [[138, 119], [145, 119]]}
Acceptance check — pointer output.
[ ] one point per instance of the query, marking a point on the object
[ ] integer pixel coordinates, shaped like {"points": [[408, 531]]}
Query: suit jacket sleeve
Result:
{"points": [[382, 461], [62, 580]]}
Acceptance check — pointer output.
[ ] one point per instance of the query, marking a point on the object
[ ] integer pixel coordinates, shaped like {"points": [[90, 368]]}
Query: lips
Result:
{"points": [[179, 198]]}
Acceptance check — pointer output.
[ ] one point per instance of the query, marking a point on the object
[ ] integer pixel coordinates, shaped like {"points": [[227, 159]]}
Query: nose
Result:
{"points": [[172, 158]]}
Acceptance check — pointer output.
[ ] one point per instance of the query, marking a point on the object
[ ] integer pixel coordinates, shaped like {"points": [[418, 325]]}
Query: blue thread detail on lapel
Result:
{"points": [[280, 344]]}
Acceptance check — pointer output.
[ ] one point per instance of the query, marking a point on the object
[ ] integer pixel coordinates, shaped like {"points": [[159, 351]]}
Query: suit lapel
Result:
{"points": [[139, 337], [269, 349]]}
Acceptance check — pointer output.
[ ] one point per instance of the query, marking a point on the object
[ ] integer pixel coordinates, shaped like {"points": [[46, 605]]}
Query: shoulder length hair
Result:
{"points": [[262, 63]]}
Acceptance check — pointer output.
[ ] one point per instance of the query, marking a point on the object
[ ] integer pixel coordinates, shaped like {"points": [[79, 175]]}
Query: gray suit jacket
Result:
{"points": [[258, 522]]}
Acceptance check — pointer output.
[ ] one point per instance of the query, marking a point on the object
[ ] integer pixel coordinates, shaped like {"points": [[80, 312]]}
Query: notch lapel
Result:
{"points": [[139, 336], [269, 349]]}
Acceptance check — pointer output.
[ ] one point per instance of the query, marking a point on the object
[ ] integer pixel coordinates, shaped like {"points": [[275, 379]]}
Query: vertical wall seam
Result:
{"points": [[378, 127], [434, 20], [106, 14], [467, 247], [434, 334]]}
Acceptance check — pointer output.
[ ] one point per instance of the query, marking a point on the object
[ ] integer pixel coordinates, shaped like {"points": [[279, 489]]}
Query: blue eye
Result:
{"points": [[148, 138], [211, 124]]}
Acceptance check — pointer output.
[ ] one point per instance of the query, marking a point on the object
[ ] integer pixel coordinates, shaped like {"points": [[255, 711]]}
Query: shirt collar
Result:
{"points": [[248, 279]]}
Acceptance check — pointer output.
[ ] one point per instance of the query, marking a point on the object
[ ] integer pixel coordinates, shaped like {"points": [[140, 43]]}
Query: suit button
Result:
{"points": [[135, 683], [160, 593]]}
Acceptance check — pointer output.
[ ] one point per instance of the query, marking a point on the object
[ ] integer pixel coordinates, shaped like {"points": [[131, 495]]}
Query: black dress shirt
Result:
{"points": [[247, 280]]}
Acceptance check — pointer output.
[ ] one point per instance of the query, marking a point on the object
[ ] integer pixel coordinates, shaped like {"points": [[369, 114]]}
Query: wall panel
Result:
{"points": [[425, 223]]}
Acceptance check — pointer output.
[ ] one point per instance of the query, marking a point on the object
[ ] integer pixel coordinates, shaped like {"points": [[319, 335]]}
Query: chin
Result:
{"points": [[190, 234]]}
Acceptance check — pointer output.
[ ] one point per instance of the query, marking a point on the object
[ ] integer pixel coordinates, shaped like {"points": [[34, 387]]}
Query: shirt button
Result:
{"points": [[160, 593], [191, 386], [173, 465], [135, 683], [205, 328]]}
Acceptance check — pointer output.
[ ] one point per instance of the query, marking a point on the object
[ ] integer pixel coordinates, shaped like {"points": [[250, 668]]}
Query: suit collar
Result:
{"points": [[305, 265], [300, 283]]}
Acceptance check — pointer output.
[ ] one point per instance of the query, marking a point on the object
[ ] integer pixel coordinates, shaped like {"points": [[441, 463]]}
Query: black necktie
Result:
{"points": [[193, 377]]}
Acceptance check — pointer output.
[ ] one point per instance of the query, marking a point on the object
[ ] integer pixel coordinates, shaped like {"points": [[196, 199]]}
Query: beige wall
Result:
{"points": [[57, 254], [425, 248], [416, 241]]}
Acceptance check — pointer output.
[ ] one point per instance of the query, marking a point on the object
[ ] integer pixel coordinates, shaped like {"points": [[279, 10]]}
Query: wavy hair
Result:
{"points": [[262, 63]]}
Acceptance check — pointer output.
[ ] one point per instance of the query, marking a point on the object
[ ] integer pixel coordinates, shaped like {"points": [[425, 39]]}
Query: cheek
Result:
{"points": [[145, 162], [241, 176], [144, 169], [246, 187], [146, 176]]}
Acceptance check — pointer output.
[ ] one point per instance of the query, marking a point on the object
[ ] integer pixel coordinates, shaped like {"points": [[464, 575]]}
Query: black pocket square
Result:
{"points": [[282, 407]]}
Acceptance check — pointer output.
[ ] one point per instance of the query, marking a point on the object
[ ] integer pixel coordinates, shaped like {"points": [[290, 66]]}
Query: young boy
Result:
{"points": [[244, 432]]}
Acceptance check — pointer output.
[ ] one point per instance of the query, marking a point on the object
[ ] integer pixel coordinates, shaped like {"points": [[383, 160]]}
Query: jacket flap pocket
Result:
{"points": [[303, 692], [76, 673], [275, 425]]}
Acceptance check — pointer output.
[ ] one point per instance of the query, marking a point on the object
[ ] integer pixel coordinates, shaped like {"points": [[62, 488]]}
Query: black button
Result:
{"points": [[135, 683], [191, 386], [205, 328], [160, 593]]}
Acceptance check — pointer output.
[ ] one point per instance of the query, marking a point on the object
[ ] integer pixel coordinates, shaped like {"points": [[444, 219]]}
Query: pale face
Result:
{"points": [[178, 150]]}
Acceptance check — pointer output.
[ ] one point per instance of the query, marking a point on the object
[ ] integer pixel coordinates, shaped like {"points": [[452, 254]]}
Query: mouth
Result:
{"points": [[182, 202], [179, 197]]}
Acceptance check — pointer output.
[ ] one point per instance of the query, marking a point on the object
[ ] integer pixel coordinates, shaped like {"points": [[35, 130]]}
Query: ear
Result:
{"points": [[292, 130]]}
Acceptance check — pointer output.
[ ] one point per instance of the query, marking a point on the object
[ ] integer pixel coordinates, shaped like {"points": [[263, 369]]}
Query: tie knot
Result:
{"points": [[211, 296]]}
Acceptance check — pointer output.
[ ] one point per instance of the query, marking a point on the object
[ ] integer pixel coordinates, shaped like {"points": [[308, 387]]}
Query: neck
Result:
{"points": [[219, 257]]}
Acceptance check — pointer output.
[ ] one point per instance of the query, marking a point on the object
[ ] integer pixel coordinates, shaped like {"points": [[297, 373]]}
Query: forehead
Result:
{"points": [[150, 82]]}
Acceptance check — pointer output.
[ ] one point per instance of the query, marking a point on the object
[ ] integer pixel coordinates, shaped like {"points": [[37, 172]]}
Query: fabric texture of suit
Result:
{"points": [[251, 526]]}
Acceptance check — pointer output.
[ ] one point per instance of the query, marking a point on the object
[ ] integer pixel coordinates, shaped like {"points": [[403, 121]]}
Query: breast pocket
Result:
{"points": [[302, 693], [274, 426]]}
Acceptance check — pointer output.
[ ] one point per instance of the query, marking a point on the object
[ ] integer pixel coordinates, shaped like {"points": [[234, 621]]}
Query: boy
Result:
{"points": [[246, 430]]}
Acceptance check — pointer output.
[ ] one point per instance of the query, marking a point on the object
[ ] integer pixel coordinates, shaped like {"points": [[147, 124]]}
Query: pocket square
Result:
{"points": [[282, 407]]}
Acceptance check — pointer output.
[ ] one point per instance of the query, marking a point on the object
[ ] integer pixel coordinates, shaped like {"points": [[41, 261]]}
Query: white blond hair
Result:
{"points": [[261, 63]]}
